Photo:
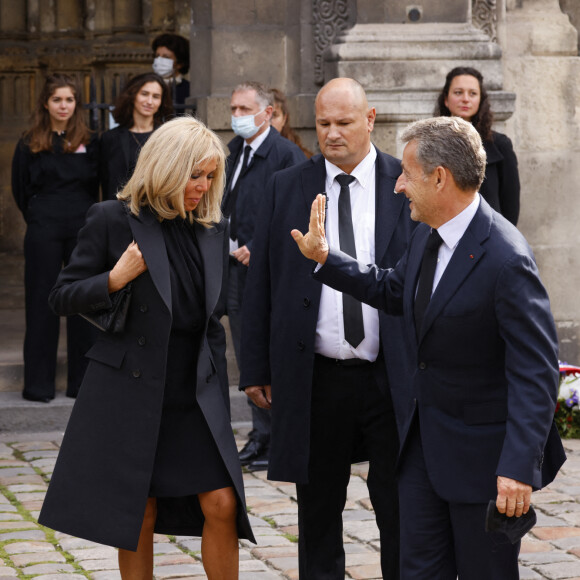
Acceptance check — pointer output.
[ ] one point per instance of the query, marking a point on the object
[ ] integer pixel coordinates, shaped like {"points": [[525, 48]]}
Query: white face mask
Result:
{"points": [[245, 126], [163, 66]]}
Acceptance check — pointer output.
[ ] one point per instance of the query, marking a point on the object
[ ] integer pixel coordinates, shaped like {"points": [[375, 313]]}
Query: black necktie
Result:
{"points": [[230, 203], [425, 286], [354, 331]]}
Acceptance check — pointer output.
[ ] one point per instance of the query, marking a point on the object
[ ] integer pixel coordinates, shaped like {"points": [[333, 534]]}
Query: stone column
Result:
{"points": [[401, 54], [541, 62]]}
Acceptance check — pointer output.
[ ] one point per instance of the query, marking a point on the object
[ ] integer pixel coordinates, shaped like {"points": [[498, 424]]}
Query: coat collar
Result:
{"points": [[149, 236], [467, 254], [388, 205]]}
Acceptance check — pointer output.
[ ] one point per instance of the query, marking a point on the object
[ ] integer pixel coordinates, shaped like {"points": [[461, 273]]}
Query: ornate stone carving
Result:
{"points": [[484, 16], [330, 18]]}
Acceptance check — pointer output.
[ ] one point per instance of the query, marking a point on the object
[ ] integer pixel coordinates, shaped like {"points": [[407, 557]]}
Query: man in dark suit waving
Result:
{"points": [[317, 358], [478, 321]]}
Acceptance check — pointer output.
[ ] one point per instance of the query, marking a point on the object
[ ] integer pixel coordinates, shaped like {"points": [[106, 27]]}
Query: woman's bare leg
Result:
{"points": [[219, 541], [139, 565]]}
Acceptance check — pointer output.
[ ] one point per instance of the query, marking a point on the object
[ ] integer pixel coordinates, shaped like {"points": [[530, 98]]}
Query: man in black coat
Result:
{"points": [[480, 426], [256, 153], [330, 399]]}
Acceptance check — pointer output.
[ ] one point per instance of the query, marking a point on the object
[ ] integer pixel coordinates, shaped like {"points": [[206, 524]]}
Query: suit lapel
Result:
{"points": [[416, 250], [149, 237], [211, 246], [313, 180], [388, 207], [467, 254]]}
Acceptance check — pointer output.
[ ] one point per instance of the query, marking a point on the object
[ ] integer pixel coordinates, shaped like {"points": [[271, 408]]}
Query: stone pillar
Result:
{"points": [[12, 18], [401, 54], [127, 16], [264, 40], [541, 62]]}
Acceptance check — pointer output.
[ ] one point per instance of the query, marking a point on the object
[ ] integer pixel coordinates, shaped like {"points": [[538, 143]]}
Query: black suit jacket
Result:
{"points": [[282, 300], [275, 153], [102, 476], [485, 377]]}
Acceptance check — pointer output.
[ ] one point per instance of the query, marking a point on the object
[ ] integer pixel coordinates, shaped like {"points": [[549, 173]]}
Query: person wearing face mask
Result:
{"points": [[465, 96], [171, 62], [143, 105], [256, 153]]}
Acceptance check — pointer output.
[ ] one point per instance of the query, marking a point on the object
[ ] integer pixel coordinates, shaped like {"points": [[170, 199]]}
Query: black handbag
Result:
{"points": [[113, 319]]}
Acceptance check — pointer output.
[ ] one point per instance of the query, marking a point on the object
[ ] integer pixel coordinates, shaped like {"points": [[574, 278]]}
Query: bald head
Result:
{"points": [[342, 87], [344, 122]]}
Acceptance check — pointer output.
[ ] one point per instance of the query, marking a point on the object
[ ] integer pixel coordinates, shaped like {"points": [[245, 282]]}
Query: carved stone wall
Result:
{"points": [[484, 16], [106, 40]]}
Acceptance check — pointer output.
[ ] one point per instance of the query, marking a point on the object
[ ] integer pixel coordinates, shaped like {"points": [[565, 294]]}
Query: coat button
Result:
{"points": [[141, 341], [306, 302], [422, 366], [143, 308], [208, 378], [300, 345], [136, 373]]}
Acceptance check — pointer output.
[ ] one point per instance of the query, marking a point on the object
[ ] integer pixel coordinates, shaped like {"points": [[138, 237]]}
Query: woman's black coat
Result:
{"points": [[101, 480], [501, 186]]}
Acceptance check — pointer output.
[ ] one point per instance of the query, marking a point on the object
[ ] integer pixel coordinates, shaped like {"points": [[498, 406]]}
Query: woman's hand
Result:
{"points": [[130, 265]]}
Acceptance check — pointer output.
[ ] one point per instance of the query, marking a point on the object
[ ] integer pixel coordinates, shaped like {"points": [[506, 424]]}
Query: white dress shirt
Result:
{"points": [[330, 341], [254, 147], [451, 232]]}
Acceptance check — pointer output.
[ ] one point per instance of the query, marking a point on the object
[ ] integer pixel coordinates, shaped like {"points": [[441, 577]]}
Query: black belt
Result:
{"points": [[347, 362]]}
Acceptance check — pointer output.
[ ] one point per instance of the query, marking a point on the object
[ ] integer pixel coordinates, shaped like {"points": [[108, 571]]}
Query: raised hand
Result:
{"points": [[313, 244]]}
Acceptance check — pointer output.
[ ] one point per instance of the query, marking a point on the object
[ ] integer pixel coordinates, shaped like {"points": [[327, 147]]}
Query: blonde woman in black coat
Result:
{"points": [[149, 446], [465, 96]]}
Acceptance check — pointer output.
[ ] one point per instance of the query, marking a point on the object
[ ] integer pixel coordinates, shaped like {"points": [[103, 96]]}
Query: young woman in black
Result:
{"points": [[465, 96], [143, 105], [54, 182]]}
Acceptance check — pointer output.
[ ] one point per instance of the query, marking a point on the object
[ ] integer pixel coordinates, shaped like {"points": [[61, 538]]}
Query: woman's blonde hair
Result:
{"points": [[172, 154]]}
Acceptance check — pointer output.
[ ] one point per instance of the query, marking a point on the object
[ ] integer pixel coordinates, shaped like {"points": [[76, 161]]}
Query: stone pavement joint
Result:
{"points": [[551, 551]]}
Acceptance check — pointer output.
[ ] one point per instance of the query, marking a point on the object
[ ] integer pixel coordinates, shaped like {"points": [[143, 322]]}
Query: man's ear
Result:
{"points": [[441, 177]]}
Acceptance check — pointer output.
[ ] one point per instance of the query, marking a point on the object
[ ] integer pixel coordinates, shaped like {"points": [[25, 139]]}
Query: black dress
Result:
{"points": [[187, 460]]}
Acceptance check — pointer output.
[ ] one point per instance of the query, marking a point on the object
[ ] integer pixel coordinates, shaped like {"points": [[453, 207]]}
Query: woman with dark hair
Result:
{"points": [[143, 105], [172, 62], [54, 182], [465, 96], [281, 121], [149, 446]]}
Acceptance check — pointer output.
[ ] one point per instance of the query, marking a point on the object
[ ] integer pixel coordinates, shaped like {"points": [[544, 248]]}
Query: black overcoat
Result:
{"points": [[101, 480], [501, 186], [116, 161], [282, 300]]}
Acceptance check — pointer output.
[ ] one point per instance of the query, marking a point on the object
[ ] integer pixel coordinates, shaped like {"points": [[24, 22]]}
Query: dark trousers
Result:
{"points": [[46, 249], [261, 418], [351, 419], [442, 540]]}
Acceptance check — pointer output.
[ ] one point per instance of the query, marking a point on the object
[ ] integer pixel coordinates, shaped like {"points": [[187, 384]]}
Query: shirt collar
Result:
{"points": [[362, 172], [452, 231], [255, 144]]}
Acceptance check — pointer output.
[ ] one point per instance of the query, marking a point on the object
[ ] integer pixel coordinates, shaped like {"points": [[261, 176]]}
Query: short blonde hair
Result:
{"points": [[168, 159]]}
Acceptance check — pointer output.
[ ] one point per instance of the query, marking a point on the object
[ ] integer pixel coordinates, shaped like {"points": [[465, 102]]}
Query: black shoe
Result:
{"points": [[260, 464], [37, 399], [252, 450]]}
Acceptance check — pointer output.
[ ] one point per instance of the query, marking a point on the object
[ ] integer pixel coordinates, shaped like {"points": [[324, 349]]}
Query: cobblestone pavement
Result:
{"points": [[550, 551]]}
